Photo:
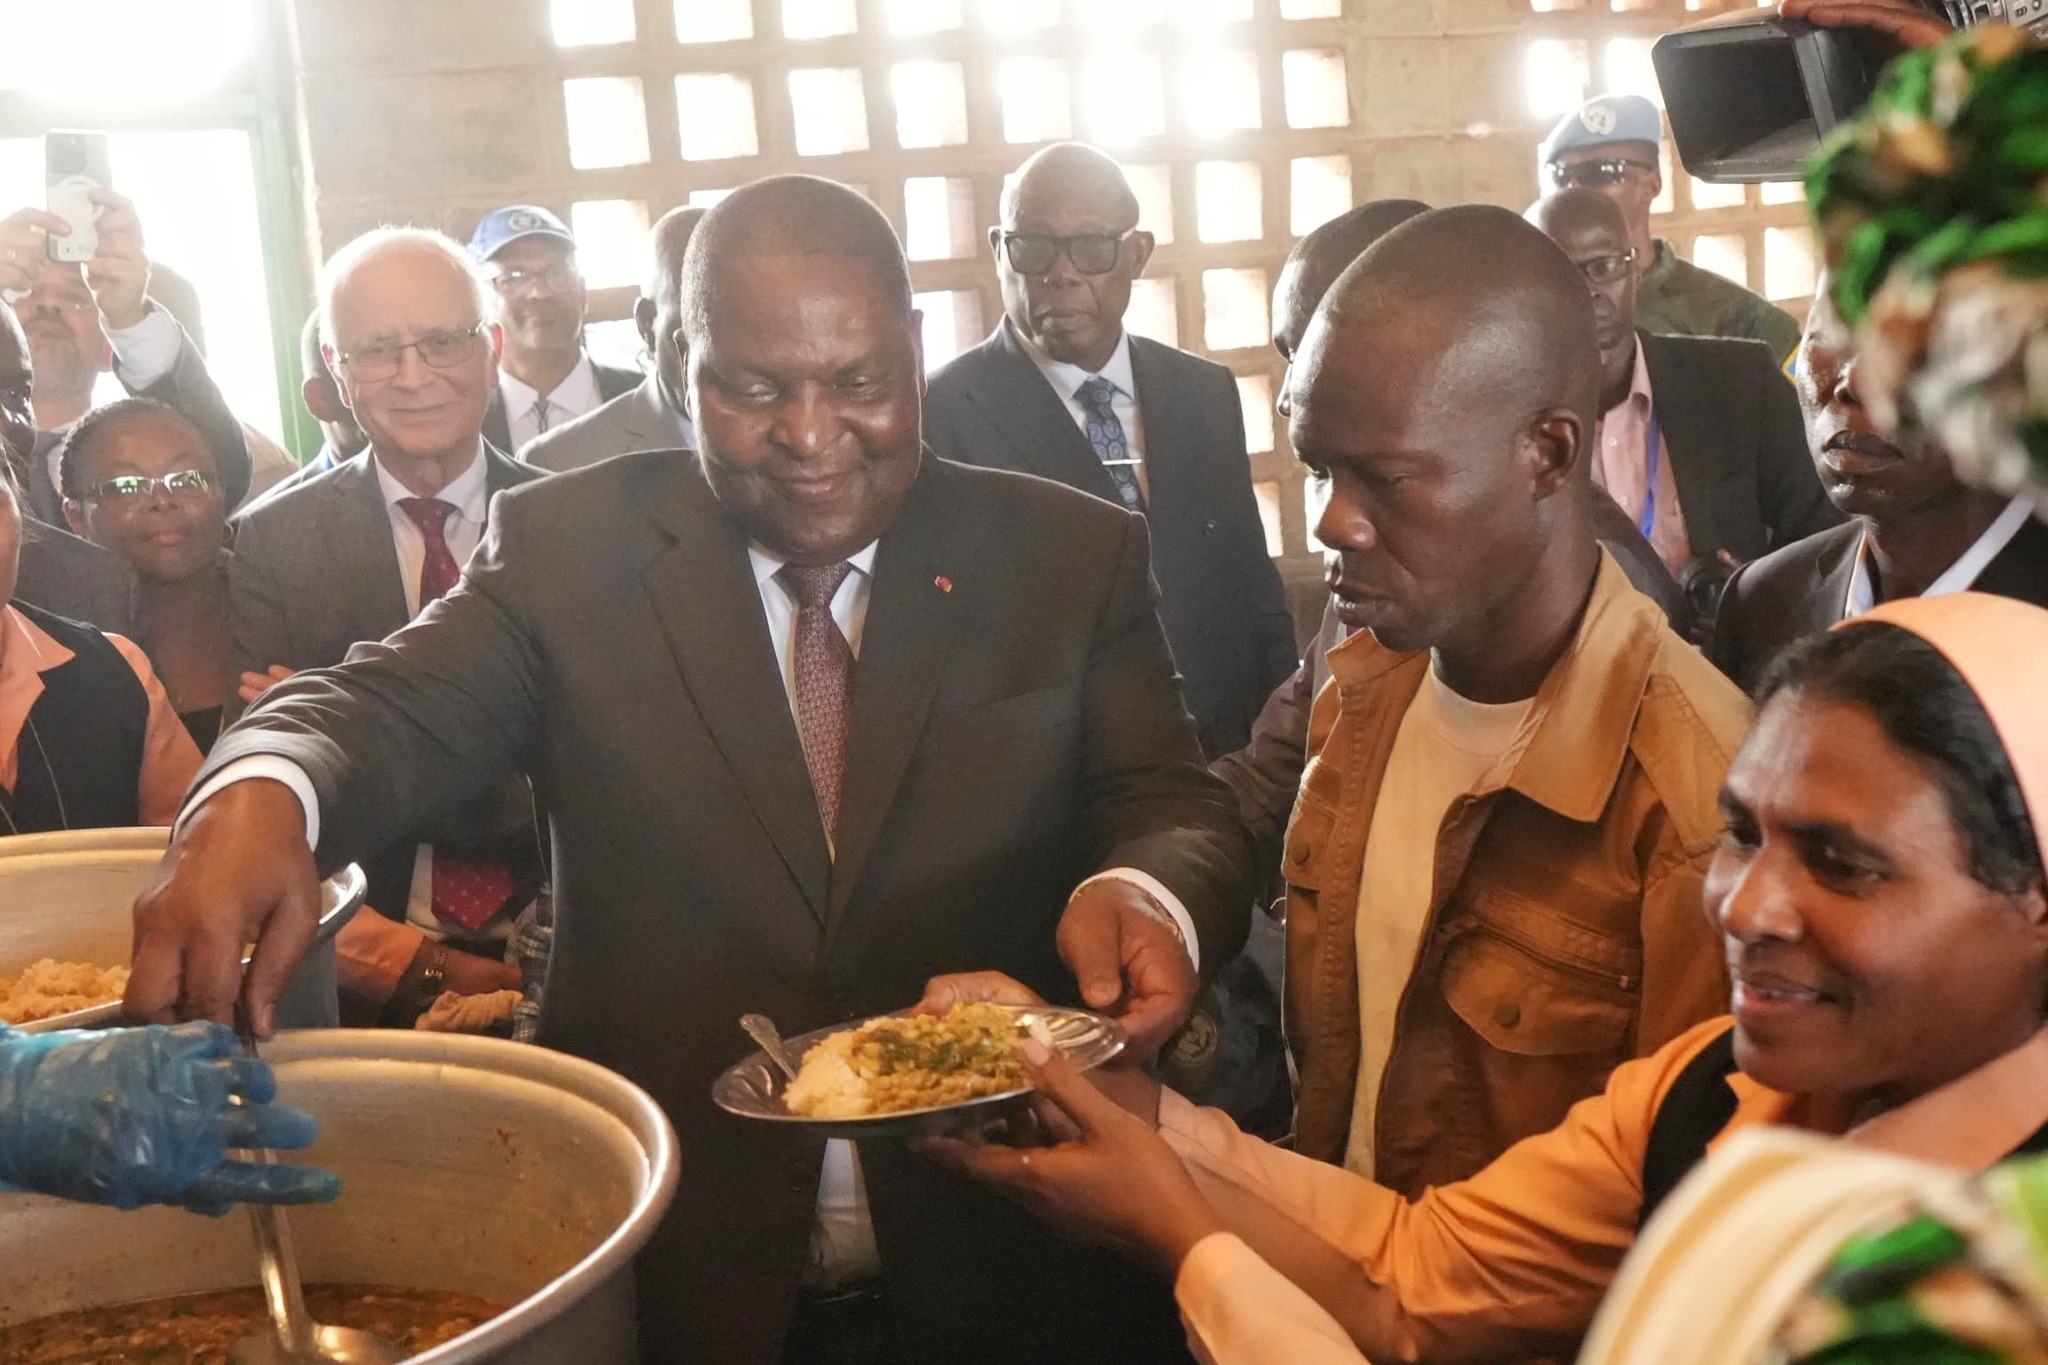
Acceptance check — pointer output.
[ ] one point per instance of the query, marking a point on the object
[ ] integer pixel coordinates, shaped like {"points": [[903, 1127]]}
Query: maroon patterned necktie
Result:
{"points": [[467, 891], [824, 680]]}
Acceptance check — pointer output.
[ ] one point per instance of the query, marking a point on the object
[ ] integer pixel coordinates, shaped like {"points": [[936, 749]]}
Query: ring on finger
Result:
{"points": [[1027, 1160]]}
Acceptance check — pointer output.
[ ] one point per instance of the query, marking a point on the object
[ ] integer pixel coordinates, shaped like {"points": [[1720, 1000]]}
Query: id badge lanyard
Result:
{"points": [[1647, 522]]}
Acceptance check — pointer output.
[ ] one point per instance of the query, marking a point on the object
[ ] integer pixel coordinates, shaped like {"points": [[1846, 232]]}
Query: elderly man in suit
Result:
{"points": [[539, 301], [1061, 390], [1914, 528], [353, 554], [1699, 438], [815, 716], [83, 321], [651, 416]]}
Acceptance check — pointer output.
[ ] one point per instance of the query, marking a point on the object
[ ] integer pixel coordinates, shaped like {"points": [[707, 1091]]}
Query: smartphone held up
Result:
{"points": [[74, 165]]}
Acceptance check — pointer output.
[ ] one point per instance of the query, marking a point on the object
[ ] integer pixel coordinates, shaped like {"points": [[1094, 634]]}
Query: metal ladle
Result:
{"points": [[294, 1338]]}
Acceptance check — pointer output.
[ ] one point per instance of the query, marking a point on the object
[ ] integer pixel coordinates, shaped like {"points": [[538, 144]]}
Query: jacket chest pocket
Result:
{"points": [[1308, 858], [1534, 985]]}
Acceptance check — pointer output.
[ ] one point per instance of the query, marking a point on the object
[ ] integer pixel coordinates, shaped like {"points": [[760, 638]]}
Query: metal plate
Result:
{"points": [[342, 894], [753, 1088]]}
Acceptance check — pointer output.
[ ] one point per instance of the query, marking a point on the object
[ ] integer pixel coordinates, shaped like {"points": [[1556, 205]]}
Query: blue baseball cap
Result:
{"points": [[1602, 122], [502, 227]]}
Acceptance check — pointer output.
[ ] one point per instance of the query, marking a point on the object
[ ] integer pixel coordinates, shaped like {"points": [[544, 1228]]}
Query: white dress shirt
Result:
{"points": [[143, 354], [1066, 381], [575, 395], [1960, 576]]}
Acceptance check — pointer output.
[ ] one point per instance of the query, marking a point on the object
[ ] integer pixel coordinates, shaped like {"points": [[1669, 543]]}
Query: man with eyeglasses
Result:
{"points": [[1699, 439], [538, 301], [352, 555], [1061, 390], [1610, 145]]}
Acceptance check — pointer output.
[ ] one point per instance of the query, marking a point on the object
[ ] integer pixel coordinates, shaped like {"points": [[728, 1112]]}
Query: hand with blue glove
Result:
{"points": [[146, 1116]]}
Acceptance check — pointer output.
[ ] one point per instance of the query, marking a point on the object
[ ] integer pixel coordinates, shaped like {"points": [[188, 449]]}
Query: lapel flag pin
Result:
{"points": [[943, 583]]}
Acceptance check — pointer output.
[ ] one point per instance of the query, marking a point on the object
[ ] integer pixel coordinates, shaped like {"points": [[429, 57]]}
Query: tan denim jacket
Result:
{"points": [[1565, 931]]}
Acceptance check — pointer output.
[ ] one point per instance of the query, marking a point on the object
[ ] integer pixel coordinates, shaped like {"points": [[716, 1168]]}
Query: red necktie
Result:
{"points": [[467, 891], [824, 680]]}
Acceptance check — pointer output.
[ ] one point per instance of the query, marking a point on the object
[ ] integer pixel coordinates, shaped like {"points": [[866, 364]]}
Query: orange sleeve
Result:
{"points": [[169, 757], [1241, 1311], [1517, 1257]]}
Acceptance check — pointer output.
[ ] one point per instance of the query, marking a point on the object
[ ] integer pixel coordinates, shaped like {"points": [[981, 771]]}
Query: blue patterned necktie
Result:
{"points": [[1106, 434]]}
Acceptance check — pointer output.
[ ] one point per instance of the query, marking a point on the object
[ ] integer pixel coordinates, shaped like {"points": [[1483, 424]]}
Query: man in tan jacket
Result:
{"points": [[1495, 859]]}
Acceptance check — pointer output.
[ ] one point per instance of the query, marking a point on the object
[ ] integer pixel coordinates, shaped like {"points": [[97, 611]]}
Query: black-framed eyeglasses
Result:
{"points": [[1609, 269], [1093, 253], [1594, 175], [443, 348], [131, 488], [560, 276]]}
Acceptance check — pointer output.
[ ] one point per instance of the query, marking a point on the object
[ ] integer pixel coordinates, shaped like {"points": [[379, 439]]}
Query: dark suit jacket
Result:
{"points": [[1737, 445], [189, 389], [611, 382], [74, 578], [1801, 590], [312, 574], [1015, 727], [1221, 599]]}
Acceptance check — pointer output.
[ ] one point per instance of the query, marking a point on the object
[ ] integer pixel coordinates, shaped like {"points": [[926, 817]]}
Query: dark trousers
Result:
{"points": [[850, 1328]]}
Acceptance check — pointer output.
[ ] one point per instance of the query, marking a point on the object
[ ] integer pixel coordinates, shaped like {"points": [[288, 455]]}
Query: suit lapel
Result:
{"points": [[704, 594], [497, 427], [1833, 570], [1689, 442], [361, 527], [1170, 434], [1023, 410], [920, 597]]}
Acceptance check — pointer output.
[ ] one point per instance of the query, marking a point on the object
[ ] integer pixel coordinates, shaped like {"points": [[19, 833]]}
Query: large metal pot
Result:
{"points": [[68, 896], [472, 1165]]}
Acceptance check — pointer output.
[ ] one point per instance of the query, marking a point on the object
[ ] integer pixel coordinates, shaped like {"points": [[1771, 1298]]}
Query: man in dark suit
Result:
{"points": [[651, 416], [83, 321], [1060, 390], [545, 377], [351, 555], [1915, 530], [1700, 441], [745, 819]]}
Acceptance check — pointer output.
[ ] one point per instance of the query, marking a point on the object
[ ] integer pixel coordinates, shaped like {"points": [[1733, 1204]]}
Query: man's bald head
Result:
{"points": [[1446, 390], [672, 233], [1576, 210], [658, 312], [1073, 171], [1592, 230], [1320, 257], [788, 215]]}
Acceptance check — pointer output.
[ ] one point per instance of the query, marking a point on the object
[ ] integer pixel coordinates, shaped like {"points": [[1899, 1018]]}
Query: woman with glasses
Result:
{"points": [[88, 739], [139, 479]]}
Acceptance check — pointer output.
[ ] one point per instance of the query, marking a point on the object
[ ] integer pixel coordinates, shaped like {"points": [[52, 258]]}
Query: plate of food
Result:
{"points": [[906, 1075]]}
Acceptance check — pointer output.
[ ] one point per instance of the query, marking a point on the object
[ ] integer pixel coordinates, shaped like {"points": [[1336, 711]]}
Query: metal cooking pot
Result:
{"points": [[69, 895], [471, 1165]]}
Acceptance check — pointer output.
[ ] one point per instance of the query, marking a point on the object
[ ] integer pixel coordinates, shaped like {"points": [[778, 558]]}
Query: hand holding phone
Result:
{"points": [[75, 164]]}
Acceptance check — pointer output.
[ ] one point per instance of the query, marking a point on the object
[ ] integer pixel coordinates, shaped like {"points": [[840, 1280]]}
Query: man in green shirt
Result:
{"points": [[1610, 145]]}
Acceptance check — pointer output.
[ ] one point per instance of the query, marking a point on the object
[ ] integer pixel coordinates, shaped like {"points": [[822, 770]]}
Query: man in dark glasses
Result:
{"points": [[1061, 390], [1610, 145]]}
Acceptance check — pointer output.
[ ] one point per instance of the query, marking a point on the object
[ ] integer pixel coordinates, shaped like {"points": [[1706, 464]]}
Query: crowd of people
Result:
{"points": [[1663, 678]]}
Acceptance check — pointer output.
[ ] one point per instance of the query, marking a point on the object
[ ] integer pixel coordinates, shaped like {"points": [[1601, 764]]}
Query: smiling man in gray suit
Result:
{"points": [[815, 717], [651, 416]]}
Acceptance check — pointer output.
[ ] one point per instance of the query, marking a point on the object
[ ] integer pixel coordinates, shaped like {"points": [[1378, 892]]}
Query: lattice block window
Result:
{"points": [[1626, 68], [1317, 93], [931, 103], [831, 110], [1709, 194], [591, 23], [1200, 15], [1037, 105], [938, 219], [818, 18], [1220, 90], [1154, 311], [1667, 196], [1122, 20], [616, 341], [607, 121], [1311, 9], [1255, 397], [612, 241], [1154, 187], [909, 17], [1723, 253], [1123, 97], [1229, 201], [1009, 17], [1268, 496], [715, 116], [1320, 189], [1234, 316], [1555, 76], [1315, 496], [1788, 263], [952, 324], [704, 199], [1776, 192], [712, 21]]}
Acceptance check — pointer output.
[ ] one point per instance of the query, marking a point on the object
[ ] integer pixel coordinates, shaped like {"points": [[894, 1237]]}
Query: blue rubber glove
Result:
{"points": [[143, 1116]]}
